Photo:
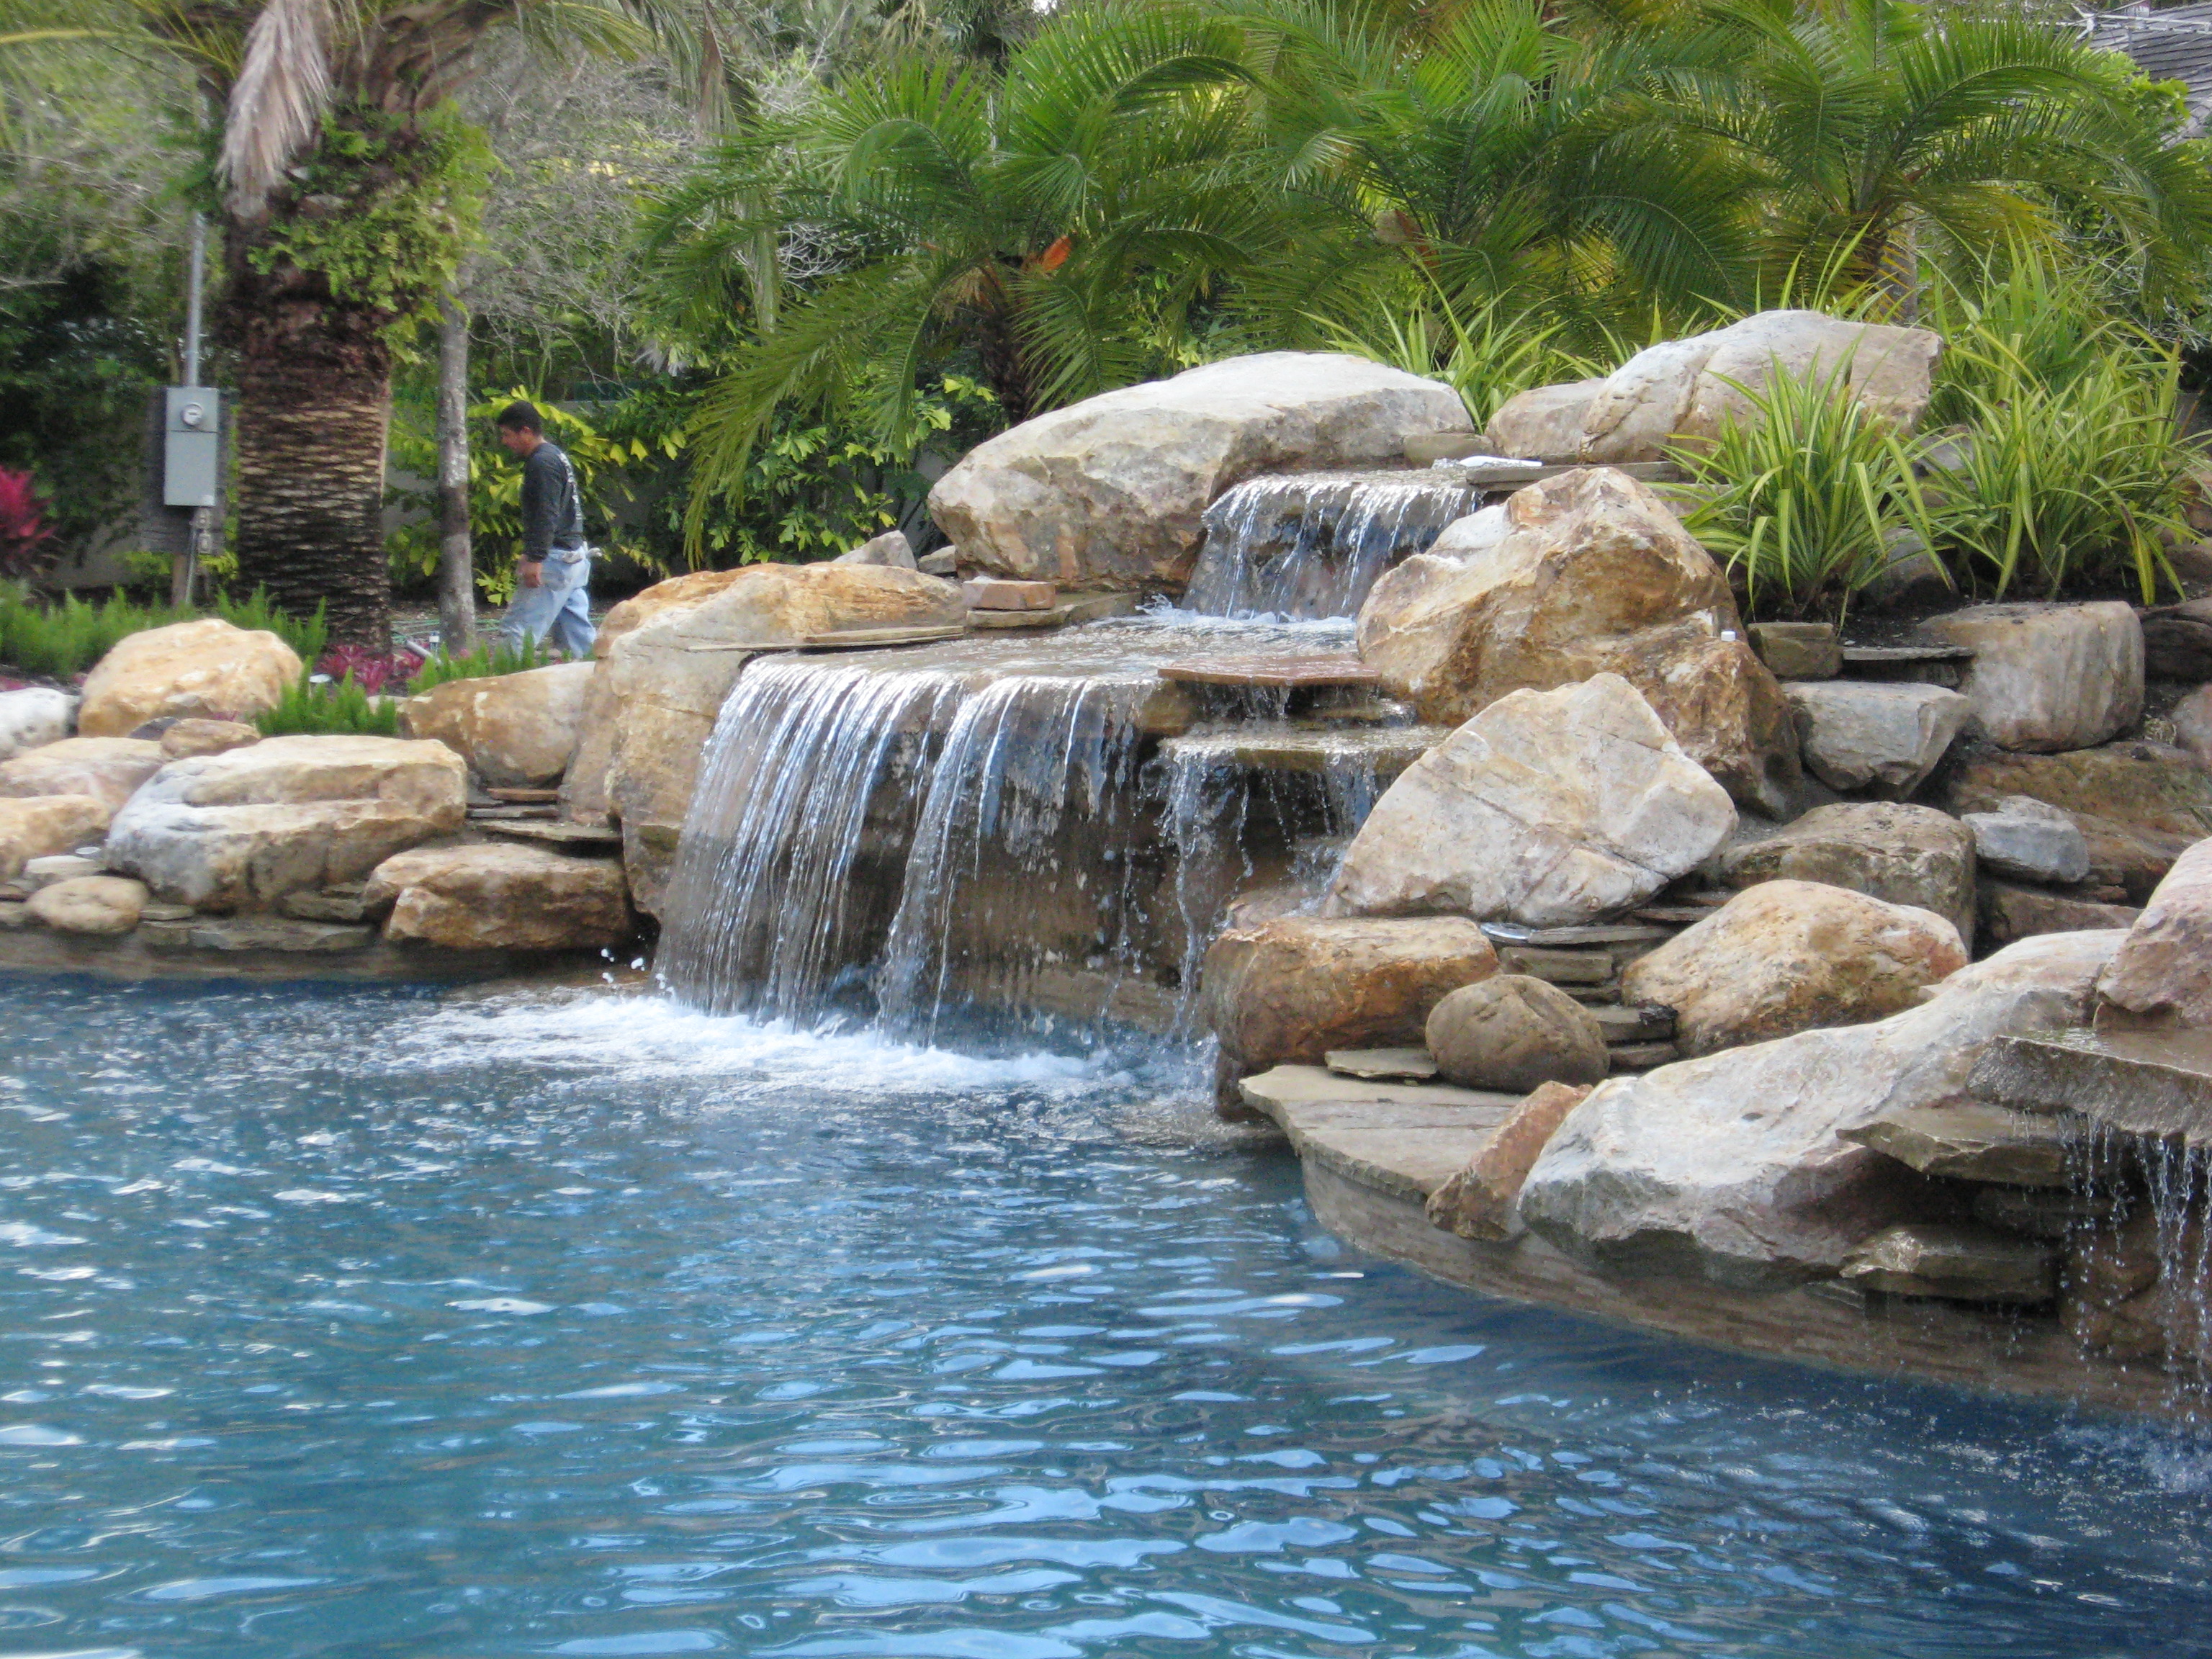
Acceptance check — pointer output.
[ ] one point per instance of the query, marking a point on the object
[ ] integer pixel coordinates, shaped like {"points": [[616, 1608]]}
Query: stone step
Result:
{"points": [[1617, 933], [1405, 1139], [524, 796], [1975, 1141], [1641, 1056], [1624, 1023], [590, 839], [489, 814], [1274, 747], [1072, 608], [2146, 1082], [1560, 967]]}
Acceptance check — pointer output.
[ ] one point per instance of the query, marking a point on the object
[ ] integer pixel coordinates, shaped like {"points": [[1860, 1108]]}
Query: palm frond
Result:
{"points": [[276, 104]]}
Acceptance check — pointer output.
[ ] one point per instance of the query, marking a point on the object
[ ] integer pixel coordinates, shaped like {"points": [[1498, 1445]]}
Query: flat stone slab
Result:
{"points": [[257, 933], [519, 797], [1072, 609], [1383, 1065], [1958, 1261], [1633, 1023], [1321, 668], [590, 839], [1641, 1056], [1619, 932], [1558, 966], [1407, 1138], [869, 639], [1897, 656], [2147, 1083], [1977, 1141], [1005, 594], [1270, 747]]}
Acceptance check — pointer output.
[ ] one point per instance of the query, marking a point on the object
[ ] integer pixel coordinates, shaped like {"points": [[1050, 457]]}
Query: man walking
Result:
{"points": [[554, 564]]}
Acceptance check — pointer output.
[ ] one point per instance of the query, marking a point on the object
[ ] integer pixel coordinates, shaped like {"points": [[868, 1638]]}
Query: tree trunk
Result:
{"points": [[457, 584], [998, 350], [314, 397]]}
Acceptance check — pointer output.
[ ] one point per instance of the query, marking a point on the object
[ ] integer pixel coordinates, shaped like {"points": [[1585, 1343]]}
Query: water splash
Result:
{"points": [[1311, 544]]}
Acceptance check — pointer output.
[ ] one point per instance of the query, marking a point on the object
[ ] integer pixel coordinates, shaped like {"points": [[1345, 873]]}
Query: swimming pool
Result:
{"points": [[353, 1322]]}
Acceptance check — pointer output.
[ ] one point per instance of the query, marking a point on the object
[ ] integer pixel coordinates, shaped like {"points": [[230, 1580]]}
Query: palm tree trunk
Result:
{"points": [[457, 586], [314, 392]]}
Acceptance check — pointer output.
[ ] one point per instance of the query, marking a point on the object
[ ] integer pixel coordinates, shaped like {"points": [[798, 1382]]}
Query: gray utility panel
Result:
{"points": [[191, 447]]}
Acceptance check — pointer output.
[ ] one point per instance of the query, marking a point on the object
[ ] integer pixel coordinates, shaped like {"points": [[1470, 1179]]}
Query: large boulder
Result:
{"points": [[2049, 677], [650, 708], [90, 904], [1109, 493], [108, 768], [1690, 388], [501, 895], [238, 830], [34, 716], [1285, 992], [514, 730], [1511, 1033], [1912, 855], [2162, 977], [208, 669], [1548, 808], [1733, 1166], [1792, 955], [685, 592], [39, 826], [1869, 736], [1584, 574]]}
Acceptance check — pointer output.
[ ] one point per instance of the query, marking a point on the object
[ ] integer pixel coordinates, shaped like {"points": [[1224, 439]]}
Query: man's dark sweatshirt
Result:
{"points": [[552, 511]]}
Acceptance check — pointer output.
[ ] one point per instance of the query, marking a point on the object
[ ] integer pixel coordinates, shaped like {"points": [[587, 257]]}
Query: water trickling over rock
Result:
{"points": [[1311, 545]]}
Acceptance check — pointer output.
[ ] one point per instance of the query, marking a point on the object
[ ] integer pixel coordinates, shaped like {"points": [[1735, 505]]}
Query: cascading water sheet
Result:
{"points": [[1300, 546]]}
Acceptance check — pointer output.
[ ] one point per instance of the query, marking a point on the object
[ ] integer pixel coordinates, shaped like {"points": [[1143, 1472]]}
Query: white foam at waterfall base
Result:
{"points": [[647, 1038]]}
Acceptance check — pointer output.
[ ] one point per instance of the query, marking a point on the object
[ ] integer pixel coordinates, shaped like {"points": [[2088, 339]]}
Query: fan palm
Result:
{"points": [[1058, 220], [1873, 125], [345, 181]]}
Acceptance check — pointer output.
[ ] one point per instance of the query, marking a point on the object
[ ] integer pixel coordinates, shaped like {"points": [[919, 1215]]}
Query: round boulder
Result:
{"points": [[205, 670], [89, 904], [1514, 1034]]}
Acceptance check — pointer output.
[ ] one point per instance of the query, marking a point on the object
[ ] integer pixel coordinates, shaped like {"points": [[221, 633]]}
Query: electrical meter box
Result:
{"points": [[191, 447]]}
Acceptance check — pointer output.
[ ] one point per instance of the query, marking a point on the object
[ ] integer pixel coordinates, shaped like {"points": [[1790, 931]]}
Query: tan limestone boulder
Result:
{"points": [[891, 548], [1793, 955], [514, 730], [90, 904], [206, 670], [1480, 1201], [2162, 977], [1548, 808], [195, 736], [2049, 677], [110, 768], [1689, 388], [34, 716], [238, 830], [1903, 854], [1734, 1166], [1107, 492], [40, 826], [502, 896], [1285, 992], [650, 708], [1584, 574], [683, 592], [1511, 1033]]}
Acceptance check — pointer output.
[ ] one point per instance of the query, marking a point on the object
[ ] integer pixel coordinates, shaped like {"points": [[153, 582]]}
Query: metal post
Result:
{"points": [[185, 567]]}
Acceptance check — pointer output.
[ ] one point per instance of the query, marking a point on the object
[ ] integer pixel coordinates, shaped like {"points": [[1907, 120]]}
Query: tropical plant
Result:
{"points": [[1805, 498], [1890, 129], [314, 705], [1059, 221], [494, 657], [2073, 485], [1482, 351]]}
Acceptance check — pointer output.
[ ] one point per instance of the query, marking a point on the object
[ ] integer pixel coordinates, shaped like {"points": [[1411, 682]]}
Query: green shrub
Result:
{"points": [[307, 637], [1483, 352], [2067, 486], [1804, 498], [310, 707], [64, 638], [491, 658]]}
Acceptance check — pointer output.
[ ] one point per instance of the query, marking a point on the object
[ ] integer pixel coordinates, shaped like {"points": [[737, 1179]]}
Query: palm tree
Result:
{"points": [[1059, 220], [1878, 128]]}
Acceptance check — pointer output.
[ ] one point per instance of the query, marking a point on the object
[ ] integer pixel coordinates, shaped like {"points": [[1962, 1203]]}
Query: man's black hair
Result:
{"points": [[521, 418]]}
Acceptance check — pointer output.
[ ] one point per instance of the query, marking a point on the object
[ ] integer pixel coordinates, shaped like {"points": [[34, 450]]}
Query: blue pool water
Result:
{"points": [[359, 1323]]}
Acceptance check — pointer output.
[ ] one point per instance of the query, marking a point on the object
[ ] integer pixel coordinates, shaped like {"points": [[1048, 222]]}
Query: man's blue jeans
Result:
{"points": [[558, 605]]}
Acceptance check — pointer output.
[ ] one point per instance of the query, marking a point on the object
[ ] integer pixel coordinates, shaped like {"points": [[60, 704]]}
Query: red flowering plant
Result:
{"points": [[25, 541], [371, 671]]}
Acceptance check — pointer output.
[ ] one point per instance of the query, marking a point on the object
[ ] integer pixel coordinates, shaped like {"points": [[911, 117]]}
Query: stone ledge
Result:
{"points": [[36, 950]]}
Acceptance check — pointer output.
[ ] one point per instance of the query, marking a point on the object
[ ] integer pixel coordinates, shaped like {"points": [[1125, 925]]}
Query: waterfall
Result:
{"points": [[1304, 545]]}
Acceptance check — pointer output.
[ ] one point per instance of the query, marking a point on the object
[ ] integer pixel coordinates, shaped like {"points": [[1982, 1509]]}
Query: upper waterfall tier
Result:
{"points": [[1307, 544]]}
